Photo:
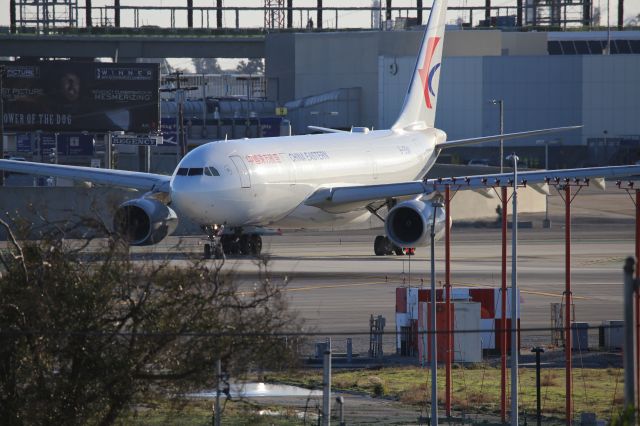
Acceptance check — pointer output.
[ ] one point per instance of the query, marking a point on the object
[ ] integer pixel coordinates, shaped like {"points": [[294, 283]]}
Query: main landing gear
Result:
{"points": [[244, 244], [235, 243], [382, 246]]}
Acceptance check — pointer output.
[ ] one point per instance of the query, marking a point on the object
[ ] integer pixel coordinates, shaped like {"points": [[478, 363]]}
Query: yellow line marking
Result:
{"points": [[321, 287], [537, 293], [328, 286]]}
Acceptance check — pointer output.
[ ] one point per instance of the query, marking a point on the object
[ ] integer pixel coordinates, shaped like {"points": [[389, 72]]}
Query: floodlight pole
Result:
{"points": [[567, 307], [500, 103], [568, 197], [514, 293], [434, 341], [503, 306], [627, 352], [448, 310], [637, 299]]}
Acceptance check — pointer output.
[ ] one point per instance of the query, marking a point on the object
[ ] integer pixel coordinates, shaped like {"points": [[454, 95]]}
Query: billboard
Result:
{"points": [[65, 96]]}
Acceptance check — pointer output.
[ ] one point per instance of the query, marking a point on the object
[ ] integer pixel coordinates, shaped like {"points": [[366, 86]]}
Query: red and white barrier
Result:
{"points": [[411, 314]]}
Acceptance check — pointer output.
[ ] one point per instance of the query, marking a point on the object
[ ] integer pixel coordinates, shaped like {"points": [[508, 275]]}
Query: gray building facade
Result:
{"points": [[539, 90]]}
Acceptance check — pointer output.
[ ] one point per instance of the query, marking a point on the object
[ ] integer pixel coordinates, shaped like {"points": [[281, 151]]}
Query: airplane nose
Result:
{"points": [[189, 200]]}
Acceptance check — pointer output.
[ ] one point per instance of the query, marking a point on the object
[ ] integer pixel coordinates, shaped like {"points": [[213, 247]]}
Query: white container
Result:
{"points": [[613, 334], [467, 347]]}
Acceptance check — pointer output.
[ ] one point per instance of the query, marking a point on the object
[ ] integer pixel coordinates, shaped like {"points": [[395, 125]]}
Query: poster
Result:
{"points": [[64, 96]]}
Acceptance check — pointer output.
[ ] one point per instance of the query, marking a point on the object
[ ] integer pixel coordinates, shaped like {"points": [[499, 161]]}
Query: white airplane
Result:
{"points": [[326, 180]]}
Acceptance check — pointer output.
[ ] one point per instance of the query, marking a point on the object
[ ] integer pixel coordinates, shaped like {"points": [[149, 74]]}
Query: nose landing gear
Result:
{"points": [[235, 243], [214, 248], [382, 246]]}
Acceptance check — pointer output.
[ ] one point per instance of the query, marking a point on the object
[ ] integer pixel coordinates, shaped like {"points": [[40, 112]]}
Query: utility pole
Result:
{"points": [[179, 90], [433, 337], [180, 120]]}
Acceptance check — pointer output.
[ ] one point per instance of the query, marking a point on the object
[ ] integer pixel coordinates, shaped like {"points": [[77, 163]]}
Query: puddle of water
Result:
{"points": [[249, 390]]}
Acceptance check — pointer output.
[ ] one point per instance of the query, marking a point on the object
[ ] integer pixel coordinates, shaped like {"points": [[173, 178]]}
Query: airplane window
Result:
{"points": [[211, 171], [195, 171], [182, 171]]}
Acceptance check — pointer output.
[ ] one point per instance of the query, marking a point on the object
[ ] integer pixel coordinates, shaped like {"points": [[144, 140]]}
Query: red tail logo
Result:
{"points": [[428, 71]]}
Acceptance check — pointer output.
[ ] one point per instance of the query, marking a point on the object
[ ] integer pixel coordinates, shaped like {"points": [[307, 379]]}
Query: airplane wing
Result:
{"points": [[504, 137], [349, 198], [120, 178], [326, 129]]}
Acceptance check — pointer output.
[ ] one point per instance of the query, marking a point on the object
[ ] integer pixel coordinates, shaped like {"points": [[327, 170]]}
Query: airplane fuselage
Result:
{"points": [[264, 182]]}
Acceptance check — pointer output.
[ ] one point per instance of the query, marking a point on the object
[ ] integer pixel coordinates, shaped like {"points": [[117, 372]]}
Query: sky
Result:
{"points": [[256, 19]]}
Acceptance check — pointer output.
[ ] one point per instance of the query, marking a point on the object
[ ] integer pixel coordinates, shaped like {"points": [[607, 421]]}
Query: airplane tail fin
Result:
{"points": [[419, 109]]}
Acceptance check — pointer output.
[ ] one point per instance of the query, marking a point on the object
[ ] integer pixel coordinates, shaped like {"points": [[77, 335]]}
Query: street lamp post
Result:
{"points": [[546, 223], [434, 341], [500, 103]]}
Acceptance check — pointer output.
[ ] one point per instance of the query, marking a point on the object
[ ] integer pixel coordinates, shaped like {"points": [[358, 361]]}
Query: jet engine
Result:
{"points": [[408, 224], [144, 221]]}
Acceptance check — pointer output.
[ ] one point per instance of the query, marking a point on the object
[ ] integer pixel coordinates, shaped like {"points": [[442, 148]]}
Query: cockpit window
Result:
{"points": [[182, 171], [211, 171], [196, 171]]}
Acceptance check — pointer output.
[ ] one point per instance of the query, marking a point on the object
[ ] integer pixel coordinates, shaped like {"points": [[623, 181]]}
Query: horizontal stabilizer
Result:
{"points": [[504, 137]]}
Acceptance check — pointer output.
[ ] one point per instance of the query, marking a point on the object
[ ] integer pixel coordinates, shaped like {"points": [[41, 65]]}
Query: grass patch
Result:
{"points": [[477, 389], [199, 413]]}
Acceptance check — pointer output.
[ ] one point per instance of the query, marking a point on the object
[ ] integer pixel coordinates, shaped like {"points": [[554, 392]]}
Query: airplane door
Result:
{"points": [[243, 172]]}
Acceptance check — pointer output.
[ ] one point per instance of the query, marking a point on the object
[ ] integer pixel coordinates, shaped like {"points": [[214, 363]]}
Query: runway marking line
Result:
{"points": [[321, 287], [537, 293], [328, 286]]}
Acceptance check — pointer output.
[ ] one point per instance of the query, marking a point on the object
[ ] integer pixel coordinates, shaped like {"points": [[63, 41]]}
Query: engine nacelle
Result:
{"points": [[408, 224], [144, 221]]}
